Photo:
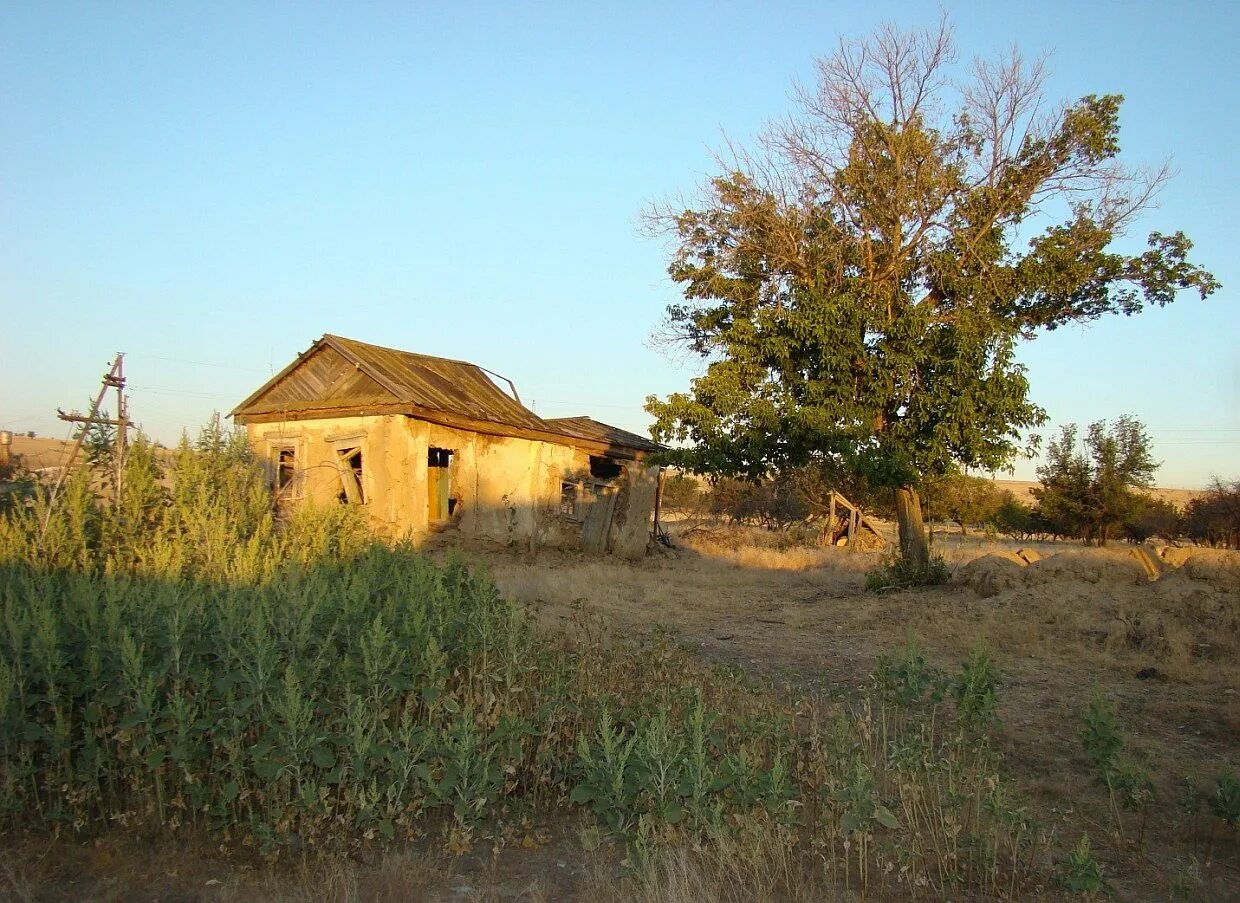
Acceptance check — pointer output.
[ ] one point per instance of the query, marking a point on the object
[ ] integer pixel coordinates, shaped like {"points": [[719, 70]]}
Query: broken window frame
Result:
{"points": [[285, 482], [352, 475], [605, 469], [292, 487]]}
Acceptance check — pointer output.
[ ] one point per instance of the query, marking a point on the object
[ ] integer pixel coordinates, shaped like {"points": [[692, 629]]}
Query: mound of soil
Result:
{"points": [[991, 575], [1087, 566], [1218, 567]]}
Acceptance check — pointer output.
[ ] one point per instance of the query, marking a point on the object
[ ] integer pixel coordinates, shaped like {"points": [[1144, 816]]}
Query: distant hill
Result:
{"points": [[1023, 490]]}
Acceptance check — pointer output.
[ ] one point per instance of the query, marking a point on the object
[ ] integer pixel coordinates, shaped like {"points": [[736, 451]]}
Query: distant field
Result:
{"points": [[40, 452], [1023, 490]]}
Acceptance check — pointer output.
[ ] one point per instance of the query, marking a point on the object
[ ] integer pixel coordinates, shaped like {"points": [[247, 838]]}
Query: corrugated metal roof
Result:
{"points": [[596, 431], [321, 379], [441, 384], [336, 373]]}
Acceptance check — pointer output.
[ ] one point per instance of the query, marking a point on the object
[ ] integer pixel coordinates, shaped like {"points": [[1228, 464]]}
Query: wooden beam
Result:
{"points": [[79, 418]]}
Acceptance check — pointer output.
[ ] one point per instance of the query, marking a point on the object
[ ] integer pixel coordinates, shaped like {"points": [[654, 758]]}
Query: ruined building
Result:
{"points": [[427, 444]]}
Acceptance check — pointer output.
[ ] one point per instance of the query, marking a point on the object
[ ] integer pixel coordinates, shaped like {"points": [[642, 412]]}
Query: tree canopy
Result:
{"points": [[860, 280]]}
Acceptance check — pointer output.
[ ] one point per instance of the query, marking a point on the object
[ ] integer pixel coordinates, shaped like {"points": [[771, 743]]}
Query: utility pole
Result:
{"points": [[113, 379]]}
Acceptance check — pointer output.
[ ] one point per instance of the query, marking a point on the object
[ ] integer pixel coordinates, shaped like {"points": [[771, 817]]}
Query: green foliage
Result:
{"points": [[1080, 873], [308, 684], [897, 573], [681, 493], [1224, 798], [975, 691], [1129, 783], [1214, 518], [964, 500], [1016, 519], [1148, 517], [905, 678], [1100, 733], [859, 286], [1086, 491]]}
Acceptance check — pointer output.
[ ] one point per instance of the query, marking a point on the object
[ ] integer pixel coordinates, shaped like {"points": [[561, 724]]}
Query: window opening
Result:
{"points": [[569, 495], [604, 468], [286, 467], [350, 466], [440, 504]]}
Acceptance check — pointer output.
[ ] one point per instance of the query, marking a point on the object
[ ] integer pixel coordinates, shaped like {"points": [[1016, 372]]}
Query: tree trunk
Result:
{"points": [[914, 544]]}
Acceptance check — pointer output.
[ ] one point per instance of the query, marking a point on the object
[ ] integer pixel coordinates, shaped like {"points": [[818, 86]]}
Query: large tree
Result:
{"points": [[860, 280]]}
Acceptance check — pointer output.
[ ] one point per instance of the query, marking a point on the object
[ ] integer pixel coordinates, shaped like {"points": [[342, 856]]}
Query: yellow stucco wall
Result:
{"points": [[505, 489]]}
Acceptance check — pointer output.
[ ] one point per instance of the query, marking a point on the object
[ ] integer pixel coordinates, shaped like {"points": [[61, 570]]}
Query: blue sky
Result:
{"points": [[210, 187]]}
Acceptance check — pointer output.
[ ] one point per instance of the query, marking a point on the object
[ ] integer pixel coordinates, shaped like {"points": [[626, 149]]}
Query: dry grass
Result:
{"points": [[1167, 652]]}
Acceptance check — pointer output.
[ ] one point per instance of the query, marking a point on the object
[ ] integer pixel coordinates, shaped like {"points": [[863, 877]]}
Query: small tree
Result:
{"points": [[1214, 518], [859, 283], [682, 493], [1151, 517], [1017, 519], [964, 500], [1088, 488]]}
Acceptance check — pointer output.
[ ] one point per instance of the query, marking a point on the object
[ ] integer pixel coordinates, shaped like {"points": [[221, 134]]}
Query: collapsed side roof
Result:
{"points": [[597, 431]]}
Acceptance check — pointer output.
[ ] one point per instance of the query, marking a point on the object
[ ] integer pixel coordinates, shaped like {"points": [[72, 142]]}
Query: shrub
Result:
{"points": [[1080, 873], [1129, 783], [975, 691], [682, 493], [898, 573]]}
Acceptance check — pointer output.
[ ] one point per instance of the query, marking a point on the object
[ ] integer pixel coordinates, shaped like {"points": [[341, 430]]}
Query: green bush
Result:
{"points": [[897, 572]]}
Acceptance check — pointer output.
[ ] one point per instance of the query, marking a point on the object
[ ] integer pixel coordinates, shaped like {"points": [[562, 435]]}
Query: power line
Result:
{"points": [[185, 360], [160, 390]]}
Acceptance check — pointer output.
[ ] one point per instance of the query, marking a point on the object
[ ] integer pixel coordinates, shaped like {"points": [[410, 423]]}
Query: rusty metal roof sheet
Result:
{"points": [[596, 431]]}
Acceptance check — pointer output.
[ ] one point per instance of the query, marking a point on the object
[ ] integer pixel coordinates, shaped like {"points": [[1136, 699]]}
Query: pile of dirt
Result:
{"points": [[991, 575], [1218, 567], [1092, 566], [1189, 572], [999, 572]]}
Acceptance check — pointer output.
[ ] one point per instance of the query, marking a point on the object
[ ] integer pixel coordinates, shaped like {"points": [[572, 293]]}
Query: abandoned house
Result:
{"points": [[428, 444]]}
